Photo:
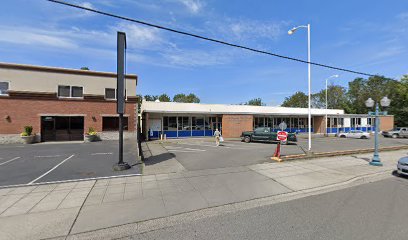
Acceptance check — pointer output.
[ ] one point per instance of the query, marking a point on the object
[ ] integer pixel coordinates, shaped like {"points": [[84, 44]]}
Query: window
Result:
{"points": [[112, 123], [64, 91], [110, 93], [198, 123], [70, 91], [170, 123], [4, 87], [77, 91], [184, 123]]}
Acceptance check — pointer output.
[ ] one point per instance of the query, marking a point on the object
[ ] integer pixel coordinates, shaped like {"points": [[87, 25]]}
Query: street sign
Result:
{"points": [[282, 136], [283, 126]]}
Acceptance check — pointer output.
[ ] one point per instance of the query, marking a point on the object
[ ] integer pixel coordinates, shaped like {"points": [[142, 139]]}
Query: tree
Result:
{"points": [[297, 100], [151, 98], [164, 98], [399, 102], [85, 68], [336, 98], [182, 98], [255, 102]]}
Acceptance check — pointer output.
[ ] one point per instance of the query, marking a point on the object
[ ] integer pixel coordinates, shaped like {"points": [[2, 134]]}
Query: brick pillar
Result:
{"points": [[233, 125]]}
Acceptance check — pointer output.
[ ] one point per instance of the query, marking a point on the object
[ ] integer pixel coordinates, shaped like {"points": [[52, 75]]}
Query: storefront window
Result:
{"points": [[198, 123], [170, 123], [184, 123]]}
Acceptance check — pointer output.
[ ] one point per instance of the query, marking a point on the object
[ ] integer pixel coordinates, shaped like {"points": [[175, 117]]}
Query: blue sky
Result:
{"points": [[367, 36]]}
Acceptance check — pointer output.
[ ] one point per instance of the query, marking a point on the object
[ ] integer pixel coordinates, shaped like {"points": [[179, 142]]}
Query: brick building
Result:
{"points": [[177, 120], [61, 104]]}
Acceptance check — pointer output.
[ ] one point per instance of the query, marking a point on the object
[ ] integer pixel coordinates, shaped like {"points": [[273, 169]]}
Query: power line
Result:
{"points": [[208, 39]]}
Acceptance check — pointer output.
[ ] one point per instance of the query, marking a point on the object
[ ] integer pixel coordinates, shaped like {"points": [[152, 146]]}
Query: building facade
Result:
{"points": [[176, 120], [61, 104]]}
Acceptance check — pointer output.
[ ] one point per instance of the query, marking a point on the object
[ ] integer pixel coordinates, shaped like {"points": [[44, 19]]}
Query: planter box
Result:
{"points": [[91, 138], [28, 139]]}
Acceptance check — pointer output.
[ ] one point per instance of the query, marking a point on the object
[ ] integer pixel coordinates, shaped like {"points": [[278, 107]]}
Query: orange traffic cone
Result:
{"points": [[276, 155]]}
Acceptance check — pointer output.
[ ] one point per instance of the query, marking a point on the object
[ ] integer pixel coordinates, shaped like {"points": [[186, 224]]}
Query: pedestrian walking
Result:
{"points": [[217, 135]]}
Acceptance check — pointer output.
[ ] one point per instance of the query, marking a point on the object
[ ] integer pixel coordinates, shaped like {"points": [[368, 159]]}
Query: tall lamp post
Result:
{"points": [[290, 32], [327, 79], [385, 102]]}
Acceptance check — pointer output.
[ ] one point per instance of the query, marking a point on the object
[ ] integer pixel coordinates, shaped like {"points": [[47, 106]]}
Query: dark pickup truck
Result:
{"points": [[264, 134]]}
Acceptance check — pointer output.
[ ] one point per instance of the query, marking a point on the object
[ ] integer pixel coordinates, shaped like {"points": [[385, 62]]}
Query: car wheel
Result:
{"points": [[363, 137], [247, 139], [342, 136], [394, 135]]}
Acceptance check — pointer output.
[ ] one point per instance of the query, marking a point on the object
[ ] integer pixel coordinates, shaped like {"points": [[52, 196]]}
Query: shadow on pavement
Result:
{"points": [[158, 158]]}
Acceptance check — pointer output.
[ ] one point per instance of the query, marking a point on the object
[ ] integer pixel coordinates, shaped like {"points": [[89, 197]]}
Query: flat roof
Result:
{"points": [[61, 70], [199, 108]]}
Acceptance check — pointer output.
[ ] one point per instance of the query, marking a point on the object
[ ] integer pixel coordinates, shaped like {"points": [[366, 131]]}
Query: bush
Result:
{"points": [[91, 131], [28, 130]]}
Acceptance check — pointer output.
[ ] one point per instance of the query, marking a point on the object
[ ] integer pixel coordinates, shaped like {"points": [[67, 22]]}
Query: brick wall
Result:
{"points": [[386, 123], [234, 125], [23, 112], [319, 124]]}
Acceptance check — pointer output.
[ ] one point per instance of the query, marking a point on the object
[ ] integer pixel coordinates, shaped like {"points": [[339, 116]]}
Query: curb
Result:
{"points": [[341, 153], [130, 229]]}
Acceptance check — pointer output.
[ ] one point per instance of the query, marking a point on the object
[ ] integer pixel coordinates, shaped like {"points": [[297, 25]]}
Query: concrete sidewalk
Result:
{"points": [[73, 210]]}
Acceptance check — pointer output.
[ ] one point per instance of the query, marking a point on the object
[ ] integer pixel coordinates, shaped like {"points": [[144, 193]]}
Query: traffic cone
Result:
{"points": [[276, 155]]}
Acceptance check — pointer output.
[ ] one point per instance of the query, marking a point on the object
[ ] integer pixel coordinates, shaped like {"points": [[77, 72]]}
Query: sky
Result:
{"points": [[367, 36]]}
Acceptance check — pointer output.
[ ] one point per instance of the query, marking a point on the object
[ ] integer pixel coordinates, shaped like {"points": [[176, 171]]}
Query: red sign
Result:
{"points": [[282, 136]]}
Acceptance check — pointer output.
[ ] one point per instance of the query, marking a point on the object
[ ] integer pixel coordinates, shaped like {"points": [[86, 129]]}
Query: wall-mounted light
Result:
{"points": [[94, 118], [8, 118]]}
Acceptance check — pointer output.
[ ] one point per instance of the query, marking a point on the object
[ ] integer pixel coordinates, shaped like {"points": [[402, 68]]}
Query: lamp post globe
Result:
{"points": [[369, 103], [385, 102]]}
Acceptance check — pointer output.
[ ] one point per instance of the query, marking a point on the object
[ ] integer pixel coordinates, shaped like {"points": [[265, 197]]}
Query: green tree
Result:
{"points": [[181, 97], [336, 98], [85, 68], [399, 102], [297, 100], [164, 98], [151, 98], [255, 102]]}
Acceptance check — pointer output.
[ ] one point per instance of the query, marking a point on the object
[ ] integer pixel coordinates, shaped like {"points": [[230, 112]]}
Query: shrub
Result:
{"points": [[91, 131], [28, 130]]}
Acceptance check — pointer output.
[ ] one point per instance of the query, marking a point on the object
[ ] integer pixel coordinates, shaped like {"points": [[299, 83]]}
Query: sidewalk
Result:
{"points": [[68, 209]]}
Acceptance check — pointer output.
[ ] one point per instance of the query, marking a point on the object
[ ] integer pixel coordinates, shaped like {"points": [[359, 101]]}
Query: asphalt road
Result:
{"points": [[46, 162], [198, 154], [370, 211]]}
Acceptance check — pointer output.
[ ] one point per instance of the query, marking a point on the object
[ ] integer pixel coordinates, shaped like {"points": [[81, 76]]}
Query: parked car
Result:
{"points": [[402, 166], [396, 133], [354, 134], [264, 134]]}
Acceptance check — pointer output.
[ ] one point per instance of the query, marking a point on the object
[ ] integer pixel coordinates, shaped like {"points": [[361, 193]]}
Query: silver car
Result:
{"points": [[402, 166], [354, 134]]}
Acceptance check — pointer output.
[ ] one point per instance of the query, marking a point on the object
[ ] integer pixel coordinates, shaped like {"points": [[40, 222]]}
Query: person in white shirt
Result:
{"points": [[217, 135]]}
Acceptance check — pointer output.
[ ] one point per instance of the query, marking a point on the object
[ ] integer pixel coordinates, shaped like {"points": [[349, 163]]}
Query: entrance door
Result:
{"points": [[62, 129]]}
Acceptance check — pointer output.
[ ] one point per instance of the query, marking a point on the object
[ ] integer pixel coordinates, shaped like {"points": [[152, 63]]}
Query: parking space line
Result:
{"points": [[108, 153], [52, 169], [48, 156], [9, 160]]}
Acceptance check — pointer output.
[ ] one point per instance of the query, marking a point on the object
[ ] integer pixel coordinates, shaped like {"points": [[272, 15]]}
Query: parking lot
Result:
{"points": [[197, 154], [47, 162]]}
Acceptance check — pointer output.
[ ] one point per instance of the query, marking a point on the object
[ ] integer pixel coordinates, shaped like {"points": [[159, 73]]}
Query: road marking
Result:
{"points": [[48, 156], [205, 145], [72, 180], [109, 153], [9, 160], [52, 169], [183, 151]]}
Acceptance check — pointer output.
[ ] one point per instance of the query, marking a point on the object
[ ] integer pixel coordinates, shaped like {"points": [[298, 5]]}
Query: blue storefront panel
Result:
{"points": [[198, 133], [170, 134], [184, 133]]}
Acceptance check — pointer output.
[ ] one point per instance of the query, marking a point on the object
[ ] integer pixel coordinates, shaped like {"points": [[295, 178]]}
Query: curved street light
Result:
{"points": [[385, 102], [290, 32]]}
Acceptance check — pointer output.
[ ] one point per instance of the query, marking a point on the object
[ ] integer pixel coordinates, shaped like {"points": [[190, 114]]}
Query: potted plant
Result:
{"points": [[27, 135], [91, 135]]}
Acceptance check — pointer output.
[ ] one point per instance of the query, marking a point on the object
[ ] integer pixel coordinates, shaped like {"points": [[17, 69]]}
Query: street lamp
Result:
{"points": [[385, 102], [290, 32], [327, 79]]}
